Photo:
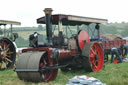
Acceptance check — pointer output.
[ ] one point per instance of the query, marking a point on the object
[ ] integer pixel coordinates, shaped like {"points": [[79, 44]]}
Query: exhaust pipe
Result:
{"points": [[48, 12]]}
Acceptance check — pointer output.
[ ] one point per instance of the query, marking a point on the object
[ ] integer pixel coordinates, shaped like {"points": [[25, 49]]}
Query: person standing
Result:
{"points": [[124, 49]]}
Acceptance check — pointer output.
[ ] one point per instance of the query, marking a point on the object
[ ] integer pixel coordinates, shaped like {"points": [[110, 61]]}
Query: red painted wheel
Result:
{"points": [[83, 37], [93, 57], [48, 75]]}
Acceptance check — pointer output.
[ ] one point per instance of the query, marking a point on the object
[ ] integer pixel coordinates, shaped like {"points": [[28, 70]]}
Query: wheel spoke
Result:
{"points": [[93, 51], [8, 60], [6, 49], [8, 46], [95, 66], [6, 63], [45, 62], [9, 53], [4, 46], [8, 56]]}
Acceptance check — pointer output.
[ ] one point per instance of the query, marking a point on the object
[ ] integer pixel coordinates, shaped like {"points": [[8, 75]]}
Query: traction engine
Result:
{"points": [[7, 44], [41, 62]]}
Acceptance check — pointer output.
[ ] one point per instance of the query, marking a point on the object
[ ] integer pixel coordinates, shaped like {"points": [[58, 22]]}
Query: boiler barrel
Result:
{"points": [[66, 54]]}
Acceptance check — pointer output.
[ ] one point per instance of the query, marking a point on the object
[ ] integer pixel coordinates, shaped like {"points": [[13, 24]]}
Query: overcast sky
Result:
{"points": [[27, 11]]}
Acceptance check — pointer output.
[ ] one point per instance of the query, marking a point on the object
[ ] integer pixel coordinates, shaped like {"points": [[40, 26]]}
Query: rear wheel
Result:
{"points": [[7, 54], [93, 57]]}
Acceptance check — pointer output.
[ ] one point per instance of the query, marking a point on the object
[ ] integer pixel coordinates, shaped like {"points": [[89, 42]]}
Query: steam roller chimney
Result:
{"points": [[48, 19]]}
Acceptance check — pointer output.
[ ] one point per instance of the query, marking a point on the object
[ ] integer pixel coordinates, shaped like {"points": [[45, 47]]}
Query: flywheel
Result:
{"points": [[83, 38]]}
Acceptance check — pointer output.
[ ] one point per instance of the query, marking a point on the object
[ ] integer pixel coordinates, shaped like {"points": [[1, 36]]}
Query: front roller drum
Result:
{"points": [[29, 65], [93, 57]]}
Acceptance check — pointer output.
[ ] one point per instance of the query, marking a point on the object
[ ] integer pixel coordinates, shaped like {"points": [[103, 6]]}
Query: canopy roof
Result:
{"points": [[72, 20], [5, 22]]}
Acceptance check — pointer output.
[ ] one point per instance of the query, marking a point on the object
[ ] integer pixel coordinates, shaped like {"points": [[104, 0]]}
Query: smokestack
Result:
{"points": [[48, 12]]}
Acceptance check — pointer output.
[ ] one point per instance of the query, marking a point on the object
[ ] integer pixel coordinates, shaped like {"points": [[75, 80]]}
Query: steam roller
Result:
{"points": [[41, 61]]}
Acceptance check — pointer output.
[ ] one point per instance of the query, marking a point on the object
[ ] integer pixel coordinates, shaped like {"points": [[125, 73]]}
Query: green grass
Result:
{"points": [[112, 74]]}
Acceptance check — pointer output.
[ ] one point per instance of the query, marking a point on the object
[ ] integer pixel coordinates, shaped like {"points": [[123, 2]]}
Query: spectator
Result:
{"points": [[116, 51]]}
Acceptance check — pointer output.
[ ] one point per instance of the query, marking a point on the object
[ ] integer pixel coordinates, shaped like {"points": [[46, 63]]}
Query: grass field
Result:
{"points": [[112, 74], [26, 34]]}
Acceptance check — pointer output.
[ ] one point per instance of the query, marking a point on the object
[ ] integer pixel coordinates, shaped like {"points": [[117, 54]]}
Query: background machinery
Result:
{"points": [[108, 42], [41, 62], [7, 47], [113, 40]]}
